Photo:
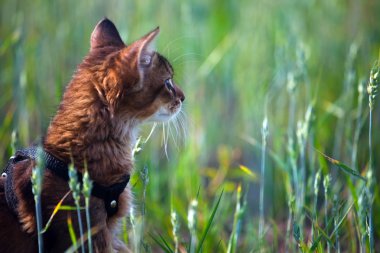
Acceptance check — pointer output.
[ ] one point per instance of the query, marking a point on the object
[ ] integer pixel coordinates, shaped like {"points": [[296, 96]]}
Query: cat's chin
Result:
{"points": [[163, 115]]}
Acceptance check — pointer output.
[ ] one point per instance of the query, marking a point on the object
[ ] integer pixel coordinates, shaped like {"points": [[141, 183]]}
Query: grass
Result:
{"points": [[37, 181], [303, 65]]}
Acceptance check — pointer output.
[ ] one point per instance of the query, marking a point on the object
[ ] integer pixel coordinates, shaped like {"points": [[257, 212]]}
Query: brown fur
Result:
{"points": [[115, 88]]}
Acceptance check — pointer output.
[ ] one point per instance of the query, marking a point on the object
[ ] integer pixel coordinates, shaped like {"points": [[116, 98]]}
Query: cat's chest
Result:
{"points": [[128, 134]]}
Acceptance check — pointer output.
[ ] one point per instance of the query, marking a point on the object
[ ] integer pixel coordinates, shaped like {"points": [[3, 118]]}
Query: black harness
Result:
{"points": [[109, 194]]}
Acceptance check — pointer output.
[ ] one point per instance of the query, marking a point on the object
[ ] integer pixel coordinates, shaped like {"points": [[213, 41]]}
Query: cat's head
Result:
{"points": [[132, 80]]}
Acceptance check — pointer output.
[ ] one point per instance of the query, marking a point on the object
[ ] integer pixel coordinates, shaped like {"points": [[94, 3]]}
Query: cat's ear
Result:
{"points": [[147, 48], [105, 34], [144, 49]]}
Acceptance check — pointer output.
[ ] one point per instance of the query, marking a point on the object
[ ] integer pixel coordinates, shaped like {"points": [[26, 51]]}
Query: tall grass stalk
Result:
{"points": [[136, 223], [336, 222], [192, 224], [175, 224], [86, 191], [238, 218], [302, 136], [293, 174], [136, 235], [75, 187], [125, 230], [363, 215], [264, 135], [291, 87], [291, 203], [302, 173], [372, 87], [37, 179], [359, 124], [144, 176], [345, 99], [317, 181], [326, 185]]}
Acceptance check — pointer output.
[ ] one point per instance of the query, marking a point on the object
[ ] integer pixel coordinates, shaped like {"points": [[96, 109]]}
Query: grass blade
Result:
{"points": [[209, 223], [315, 244], [341, 220], [164, 245], [71, 231], [55, 211], [344, 167], [325, 235]]}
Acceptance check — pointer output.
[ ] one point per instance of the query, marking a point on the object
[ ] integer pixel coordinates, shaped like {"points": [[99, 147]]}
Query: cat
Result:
{"points": [[116, 88]]}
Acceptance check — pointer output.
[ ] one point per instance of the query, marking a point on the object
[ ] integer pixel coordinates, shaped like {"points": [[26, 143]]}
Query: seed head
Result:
{"points": [[264, 129], [326, 183], [73, 183], [192, 215], [316, 182], [291, 83], [38, 173], [87, 185], [374, 81], [175, 224]]}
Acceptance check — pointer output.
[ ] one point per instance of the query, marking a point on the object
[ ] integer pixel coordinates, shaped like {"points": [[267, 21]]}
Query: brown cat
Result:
{"points": [[114, 90]]}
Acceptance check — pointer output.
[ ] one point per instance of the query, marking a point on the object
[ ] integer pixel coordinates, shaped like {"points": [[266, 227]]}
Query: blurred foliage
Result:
{"points": [[237, 61]]}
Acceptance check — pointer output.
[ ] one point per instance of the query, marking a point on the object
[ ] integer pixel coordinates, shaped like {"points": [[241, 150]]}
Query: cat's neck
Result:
{"points": [[84, 130]]}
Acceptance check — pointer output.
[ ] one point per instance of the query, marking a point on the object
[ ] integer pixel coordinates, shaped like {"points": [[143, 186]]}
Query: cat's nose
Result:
{"points": [[181, 96], [179, 93]]}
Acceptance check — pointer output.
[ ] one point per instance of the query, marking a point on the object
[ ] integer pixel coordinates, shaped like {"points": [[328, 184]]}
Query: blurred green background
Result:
{"points": [[237, 62]]}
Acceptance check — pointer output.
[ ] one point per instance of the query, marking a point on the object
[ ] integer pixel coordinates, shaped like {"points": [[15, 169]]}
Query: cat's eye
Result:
{"points": [[169, 85]]}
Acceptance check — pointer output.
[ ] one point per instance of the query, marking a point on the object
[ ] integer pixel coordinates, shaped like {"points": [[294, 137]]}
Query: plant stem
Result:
{"points": [[192, 223], [262, 185], [363, 244], [145, 180], [372, 87], [39, 223], [87, 201], [336, 221], [239, 211], [358, 126], [315, 206], [80, 227], [36, 179], [370, 232], [326, 185]]}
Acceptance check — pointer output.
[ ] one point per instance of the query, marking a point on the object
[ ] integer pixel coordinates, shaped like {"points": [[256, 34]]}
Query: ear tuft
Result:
{"points": [[105, 34]]}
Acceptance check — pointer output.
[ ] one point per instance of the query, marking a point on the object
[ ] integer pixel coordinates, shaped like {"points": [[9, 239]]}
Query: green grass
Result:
{"points": [[304, 65]]}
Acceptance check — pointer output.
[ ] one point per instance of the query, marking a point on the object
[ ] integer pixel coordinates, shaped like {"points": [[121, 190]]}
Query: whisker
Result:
{"points": [[184, 61], [182, 122], [171, 134], [175, 124], [166, 141], [184, 55], [166, 49], [180, 129], [151, 132], [163, 134]]}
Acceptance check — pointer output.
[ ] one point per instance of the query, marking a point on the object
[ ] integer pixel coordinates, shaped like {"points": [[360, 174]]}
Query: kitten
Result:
{"points": [[114, 90]]}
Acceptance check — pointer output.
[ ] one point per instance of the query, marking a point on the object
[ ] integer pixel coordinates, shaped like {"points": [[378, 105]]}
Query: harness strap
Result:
{"points": [[10, 195], [109, 194]]}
